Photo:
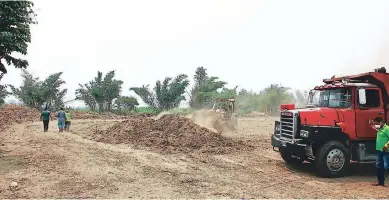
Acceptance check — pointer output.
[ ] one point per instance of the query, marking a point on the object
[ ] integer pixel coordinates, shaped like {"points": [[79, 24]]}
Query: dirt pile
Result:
{"points": [[93, 115], [12, 113], [170, 133]]}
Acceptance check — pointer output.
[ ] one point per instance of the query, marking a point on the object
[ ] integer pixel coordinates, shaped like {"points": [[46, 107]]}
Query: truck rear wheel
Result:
{"points": [[332, 160], [288, 158]]}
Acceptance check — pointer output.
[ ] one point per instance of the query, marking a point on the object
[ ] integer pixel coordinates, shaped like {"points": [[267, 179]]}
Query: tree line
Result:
{"points": [[103, 92]]}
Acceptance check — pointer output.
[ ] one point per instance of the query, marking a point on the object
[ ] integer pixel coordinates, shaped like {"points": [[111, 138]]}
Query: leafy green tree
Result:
{"points": [[85, 93], [111, 89], [248, 101], [199, 78], [268, 100], [225, 93], [15, 20], [29, 92], [273, 96], [166, 95], [205, 88], [51, 87], [35, 93], [100, 92], [126, 103]]}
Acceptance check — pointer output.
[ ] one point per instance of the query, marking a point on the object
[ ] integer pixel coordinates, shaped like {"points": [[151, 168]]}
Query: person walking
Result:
{"points": [[68, 120], [61, 119], [382, 144], [45, 118]]}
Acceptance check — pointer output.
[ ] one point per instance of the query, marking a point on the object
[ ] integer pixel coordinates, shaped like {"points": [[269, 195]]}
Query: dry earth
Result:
{"points": [[74, 165]]}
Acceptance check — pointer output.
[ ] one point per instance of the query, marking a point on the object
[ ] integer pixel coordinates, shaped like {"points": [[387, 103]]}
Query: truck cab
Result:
{"points": [[334, 128]]}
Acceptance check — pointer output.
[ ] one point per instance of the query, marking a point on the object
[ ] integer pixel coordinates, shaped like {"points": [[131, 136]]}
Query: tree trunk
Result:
{"points": [[101, 107]]}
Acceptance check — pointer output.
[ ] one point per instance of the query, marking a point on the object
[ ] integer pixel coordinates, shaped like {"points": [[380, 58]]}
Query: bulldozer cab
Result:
{"points": [[225, 106]]}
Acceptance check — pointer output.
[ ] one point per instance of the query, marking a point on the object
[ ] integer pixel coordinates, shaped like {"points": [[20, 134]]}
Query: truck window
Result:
{"points": [[331, 98], [372, 98]]}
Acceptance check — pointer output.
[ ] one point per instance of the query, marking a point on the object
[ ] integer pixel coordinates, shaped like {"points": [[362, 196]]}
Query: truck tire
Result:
{"points": [[332, 160], [287, 157]]}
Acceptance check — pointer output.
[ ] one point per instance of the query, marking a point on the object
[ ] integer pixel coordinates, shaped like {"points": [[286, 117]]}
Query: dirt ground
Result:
{"points": [[74, 165]]}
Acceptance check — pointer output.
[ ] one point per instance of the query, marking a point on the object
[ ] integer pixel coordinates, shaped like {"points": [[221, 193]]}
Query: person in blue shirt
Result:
{"points": [[61, 120]]}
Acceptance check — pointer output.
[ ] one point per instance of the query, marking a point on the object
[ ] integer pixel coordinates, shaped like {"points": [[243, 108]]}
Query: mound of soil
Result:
{"points": [[170, 133], [92, 115], [10, 114]]}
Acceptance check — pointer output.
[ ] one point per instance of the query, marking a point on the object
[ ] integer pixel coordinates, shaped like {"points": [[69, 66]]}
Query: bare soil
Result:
{"points": [[82, 164]]}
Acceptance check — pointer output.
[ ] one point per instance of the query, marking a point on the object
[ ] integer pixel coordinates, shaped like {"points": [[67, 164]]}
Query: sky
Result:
{"points": [[248, 43]]}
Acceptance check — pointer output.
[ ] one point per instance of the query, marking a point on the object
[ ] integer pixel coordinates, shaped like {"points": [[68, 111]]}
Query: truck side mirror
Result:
{"points": [[362, 96]]}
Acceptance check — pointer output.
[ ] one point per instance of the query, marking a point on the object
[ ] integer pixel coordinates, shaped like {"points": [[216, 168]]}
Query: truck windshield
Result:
{"points": [[332, 98]]}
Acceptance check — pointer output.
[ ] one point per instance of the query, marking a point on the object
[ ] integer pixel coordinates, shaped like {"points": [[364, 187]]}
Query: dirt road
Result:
{"points": [[73, 165]]}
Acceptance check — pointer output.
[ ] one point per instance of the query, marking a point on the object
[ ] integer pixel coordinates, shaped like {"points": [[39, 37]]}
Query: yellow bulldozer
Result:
{"points": [[220, 118], [225, 110]]}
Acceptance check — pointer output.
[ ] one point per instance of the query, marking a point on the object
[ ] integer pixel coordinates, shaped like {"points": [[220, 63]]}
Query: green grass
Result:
{"points": [[146, 110]]}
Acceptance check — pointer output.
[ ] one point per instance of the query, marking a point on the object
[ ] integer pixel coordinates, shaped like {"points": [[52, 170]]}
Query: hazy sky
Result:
{"points": [[248, 43]]}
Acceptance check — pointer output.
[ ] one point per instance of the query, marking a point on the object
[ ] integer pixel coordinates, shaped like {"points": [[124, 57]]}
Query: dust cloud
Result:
{"points": [[205, 118]]}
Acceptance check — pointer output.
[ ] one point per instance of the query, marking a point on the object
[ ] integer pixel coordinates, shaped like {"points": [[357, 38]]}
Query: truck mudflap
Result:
{"points": [[295, 149]]}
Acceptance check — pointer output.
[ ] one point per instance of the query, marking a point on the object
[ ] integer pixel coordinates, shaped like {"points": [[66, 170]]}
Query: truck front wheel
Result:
{"points": [[288, 158], [332, 159]]}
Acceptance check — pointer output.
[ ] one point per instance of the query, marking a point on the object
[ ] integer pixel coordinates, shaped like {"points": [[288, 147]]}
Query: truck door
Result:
{"points": [[370, 110]]}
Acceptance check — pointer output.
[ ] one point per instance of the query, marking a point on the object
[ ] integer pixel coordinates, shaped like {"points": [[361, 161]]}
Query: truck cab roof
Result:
{"points": [[379, 78], [345, 84]]}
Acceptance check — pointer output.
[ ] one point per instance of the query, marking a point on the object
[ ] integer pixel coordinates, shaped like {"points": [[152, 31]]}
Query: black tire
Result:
{"points": [[287, 157], [336, 151]]}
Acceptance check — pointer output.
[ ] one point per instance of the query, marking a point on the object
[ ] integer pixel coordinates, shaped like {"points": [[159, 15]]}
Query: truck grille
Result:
{"points": [[287, 126]]}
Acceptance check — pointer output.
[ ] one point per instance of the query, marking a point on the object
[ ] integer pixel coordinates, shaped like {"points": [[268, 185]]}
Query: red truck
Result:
{"points": [[334, 128]]}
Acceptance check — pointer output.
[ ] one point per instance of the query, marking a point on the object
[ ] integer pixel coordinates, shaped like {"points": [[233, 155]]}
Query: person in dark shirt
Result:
{"points": [[46, 117]]}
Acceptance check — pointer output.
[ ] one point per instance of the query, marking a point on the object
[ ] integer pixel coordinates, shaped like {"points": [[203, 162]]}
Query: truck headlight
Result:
{"points": [[304, 133], [278, 128]]}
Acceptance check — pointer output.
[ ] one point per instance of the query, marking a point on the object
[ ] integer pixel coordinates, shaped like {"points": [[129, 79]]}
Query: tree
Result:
{"points": [[35, 93], [29, 92], [51, 87], [248, 101], [301, 98], [3, 94], [126, 103], [166, 95], [204, 88], [244, 92], [147, 96], [100, 92], [15, 20], [111, 88], [273, 96], [85, 93], [199, 79]]}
